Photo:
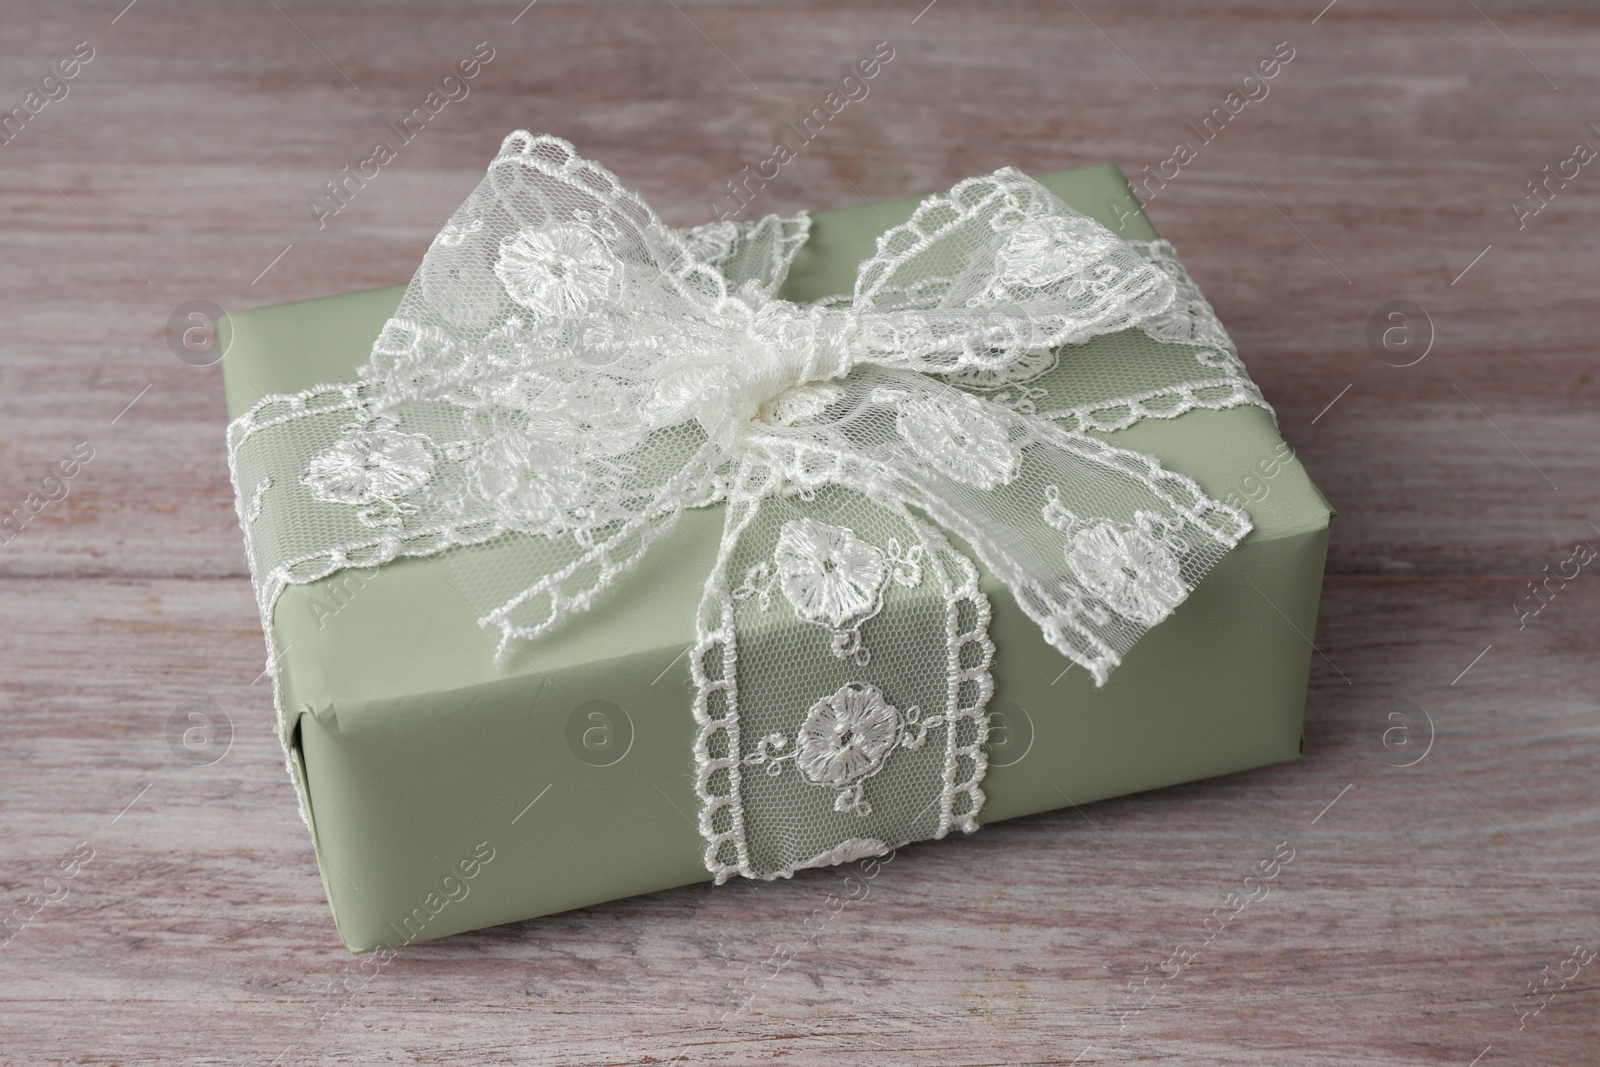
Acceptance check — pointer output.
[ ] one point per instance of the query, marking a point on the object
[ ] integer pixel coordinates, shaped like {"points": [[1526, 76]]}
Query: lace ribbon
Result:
{"points": [[565, 375]]}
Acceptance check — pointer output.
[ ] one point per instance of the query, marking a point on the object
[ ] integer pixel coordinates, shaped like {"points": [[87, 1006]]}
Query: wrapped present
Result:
{"points": [[606, 557]]}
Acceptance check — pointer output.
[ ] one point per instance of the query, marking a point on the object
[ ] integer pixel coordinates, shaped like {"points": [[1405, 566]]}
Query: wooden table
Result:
{"points": [[1424, 900]]}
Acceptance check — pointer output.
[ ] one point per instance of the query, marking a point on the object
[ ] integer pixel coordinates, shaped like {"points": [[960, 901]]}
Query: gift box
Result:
{"points": [[448, 790]]}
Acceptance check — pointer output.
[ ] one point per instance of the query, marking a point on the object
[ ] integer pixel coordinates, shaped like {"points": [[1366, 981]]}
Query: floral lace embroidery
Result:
{"points": [[846, 738], [557, 271], [713, 242], [828, 574], [526, 479], [756, 251], [1136, 577], [832, 578], [373, 470], [1047, 250], [1052, 277], [955, 436], [1133, 572], [1190, 322]]}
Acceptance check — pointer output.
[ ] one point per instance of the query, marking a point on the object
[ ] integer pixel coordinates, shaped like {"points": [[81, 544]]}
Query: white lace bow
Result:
{"points": [[566, 375]]}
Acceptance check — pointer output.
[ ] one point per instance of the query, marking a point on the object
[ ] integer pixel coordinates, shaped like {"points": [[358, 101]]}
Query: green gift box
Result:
{"points": [[446, 793]]}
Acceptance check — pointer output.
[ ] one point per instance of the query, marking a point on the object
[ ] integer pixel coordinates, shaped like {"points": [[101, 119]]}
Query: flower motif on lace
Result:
{"points": [[832, 579], [372, 470], [1135, 575], [1043, 250], [527, 480], [556, 271], [829, 575], [846, 737], [957, 438]]}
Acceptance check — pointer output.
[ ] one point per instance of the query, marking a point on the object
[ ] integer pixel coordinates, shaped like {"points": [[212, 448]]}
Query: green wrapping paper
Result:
{"points": [[446, 794]]}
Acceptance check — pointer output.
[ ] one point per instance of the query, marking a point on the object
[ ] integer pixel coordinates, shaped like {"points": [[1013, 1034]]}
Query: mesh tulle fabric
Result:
{"points": [[565, 375]]}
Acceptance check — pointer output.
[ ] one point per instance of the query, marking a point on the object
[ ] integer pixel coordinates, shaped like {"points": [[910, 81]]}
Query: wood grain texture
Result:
{"points": [[1419, 905]]}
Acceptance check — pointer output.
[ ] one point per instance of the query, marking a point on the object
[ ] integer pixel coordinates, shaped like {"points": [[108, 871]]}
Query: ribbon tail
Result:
{"points": [[571, 584], [1096, 543], [823, 736], [1126, 568]]}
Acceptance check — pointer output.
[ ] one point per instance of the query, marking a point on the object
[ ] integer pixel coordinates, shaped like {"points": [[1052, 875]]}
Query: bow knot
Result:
{"points": [[762, 369], [795, 347]]}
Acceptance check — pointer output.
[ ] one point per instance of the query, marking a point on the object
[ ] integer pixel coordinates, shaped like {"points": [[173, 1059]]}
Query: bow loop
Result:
{"points": [[997, 268], [606, 367]]}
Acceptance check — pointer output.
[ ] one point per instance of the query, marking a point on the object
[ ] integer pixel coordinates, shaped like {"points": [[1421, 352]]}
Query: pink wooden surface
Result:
{"points": [[1382, 165]]}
